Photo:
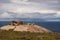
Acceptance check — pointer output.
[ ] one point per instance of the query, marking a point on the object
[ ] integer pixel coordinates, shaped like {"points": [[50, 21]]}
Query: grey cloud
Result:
{"points": [[42, 1], [11, 8], [34, 15], [50, 4], [4, 1]]}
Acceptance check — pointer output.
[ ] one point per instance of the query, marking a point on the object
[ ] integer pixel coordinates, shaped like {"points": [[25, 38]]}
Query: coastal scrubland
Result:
{"points": [[17, 35]]}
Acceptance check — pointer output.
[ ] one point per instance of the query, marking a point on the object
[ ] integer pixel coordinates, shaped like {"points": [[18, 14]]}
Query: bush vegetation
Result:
{"points": [[14, 35]]}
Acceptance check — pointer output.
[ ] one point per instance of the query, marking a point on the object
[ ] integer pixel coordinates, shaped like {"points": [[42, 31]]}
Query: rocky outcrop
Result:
{"points": [[26, 27], [16, 23]]}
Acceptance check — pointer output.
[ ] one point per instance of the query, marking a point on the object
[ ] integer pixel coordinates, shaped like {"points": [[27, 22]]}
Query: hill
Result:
{"points": [[19, 26]]}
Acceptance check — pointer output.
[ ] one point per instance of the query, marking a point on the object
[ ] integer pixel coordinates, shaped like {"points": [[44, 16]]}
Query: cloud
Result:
{"points": [[51, 4], [58, 14], [5, 15], [18, 1], [4, 1], [28, 8], [28, 15]]}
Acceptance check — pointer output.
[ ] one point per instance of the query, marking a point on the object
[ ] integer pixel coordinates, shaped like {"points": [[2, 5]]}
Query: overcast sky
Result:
{"points": [[30, 8]]}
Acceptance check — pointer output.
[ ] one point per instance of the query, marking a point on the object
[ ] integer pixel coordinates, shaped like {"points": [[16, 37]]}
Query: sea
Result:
{"points": [[53, 26]]}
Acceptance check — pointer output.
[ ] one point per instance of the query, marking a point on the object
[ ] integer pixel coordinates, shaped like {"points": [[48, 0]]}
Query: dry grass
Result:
{"points": [[14, 35]]}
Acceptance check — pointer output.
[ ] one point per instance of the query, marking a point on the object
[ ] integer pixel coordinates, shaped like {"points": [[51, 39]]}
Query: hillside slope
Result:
{"points": [[30, 28], [19, 26]]}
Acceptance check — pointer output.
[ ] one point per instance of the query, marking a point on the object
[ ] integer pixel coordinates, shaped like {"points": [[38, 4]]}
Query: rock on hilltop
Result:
{"points": [[19, 26]]}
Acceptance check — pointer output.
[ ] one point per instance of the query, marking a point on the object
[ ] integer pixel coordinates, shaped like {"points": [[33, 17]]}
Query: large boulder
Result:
{"points": [[19, 22], [16, 23]]}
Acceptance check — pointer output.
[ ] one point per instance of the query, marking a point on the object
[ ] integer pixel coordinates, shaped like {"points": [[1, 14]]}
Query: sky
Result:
{"points": [[43, 9]]}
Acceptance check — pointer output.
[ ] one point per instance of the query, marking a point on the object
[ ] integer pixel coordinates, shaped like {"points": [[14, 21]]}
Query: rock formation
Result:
{"points": [[19, 26], [16, 23]]}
